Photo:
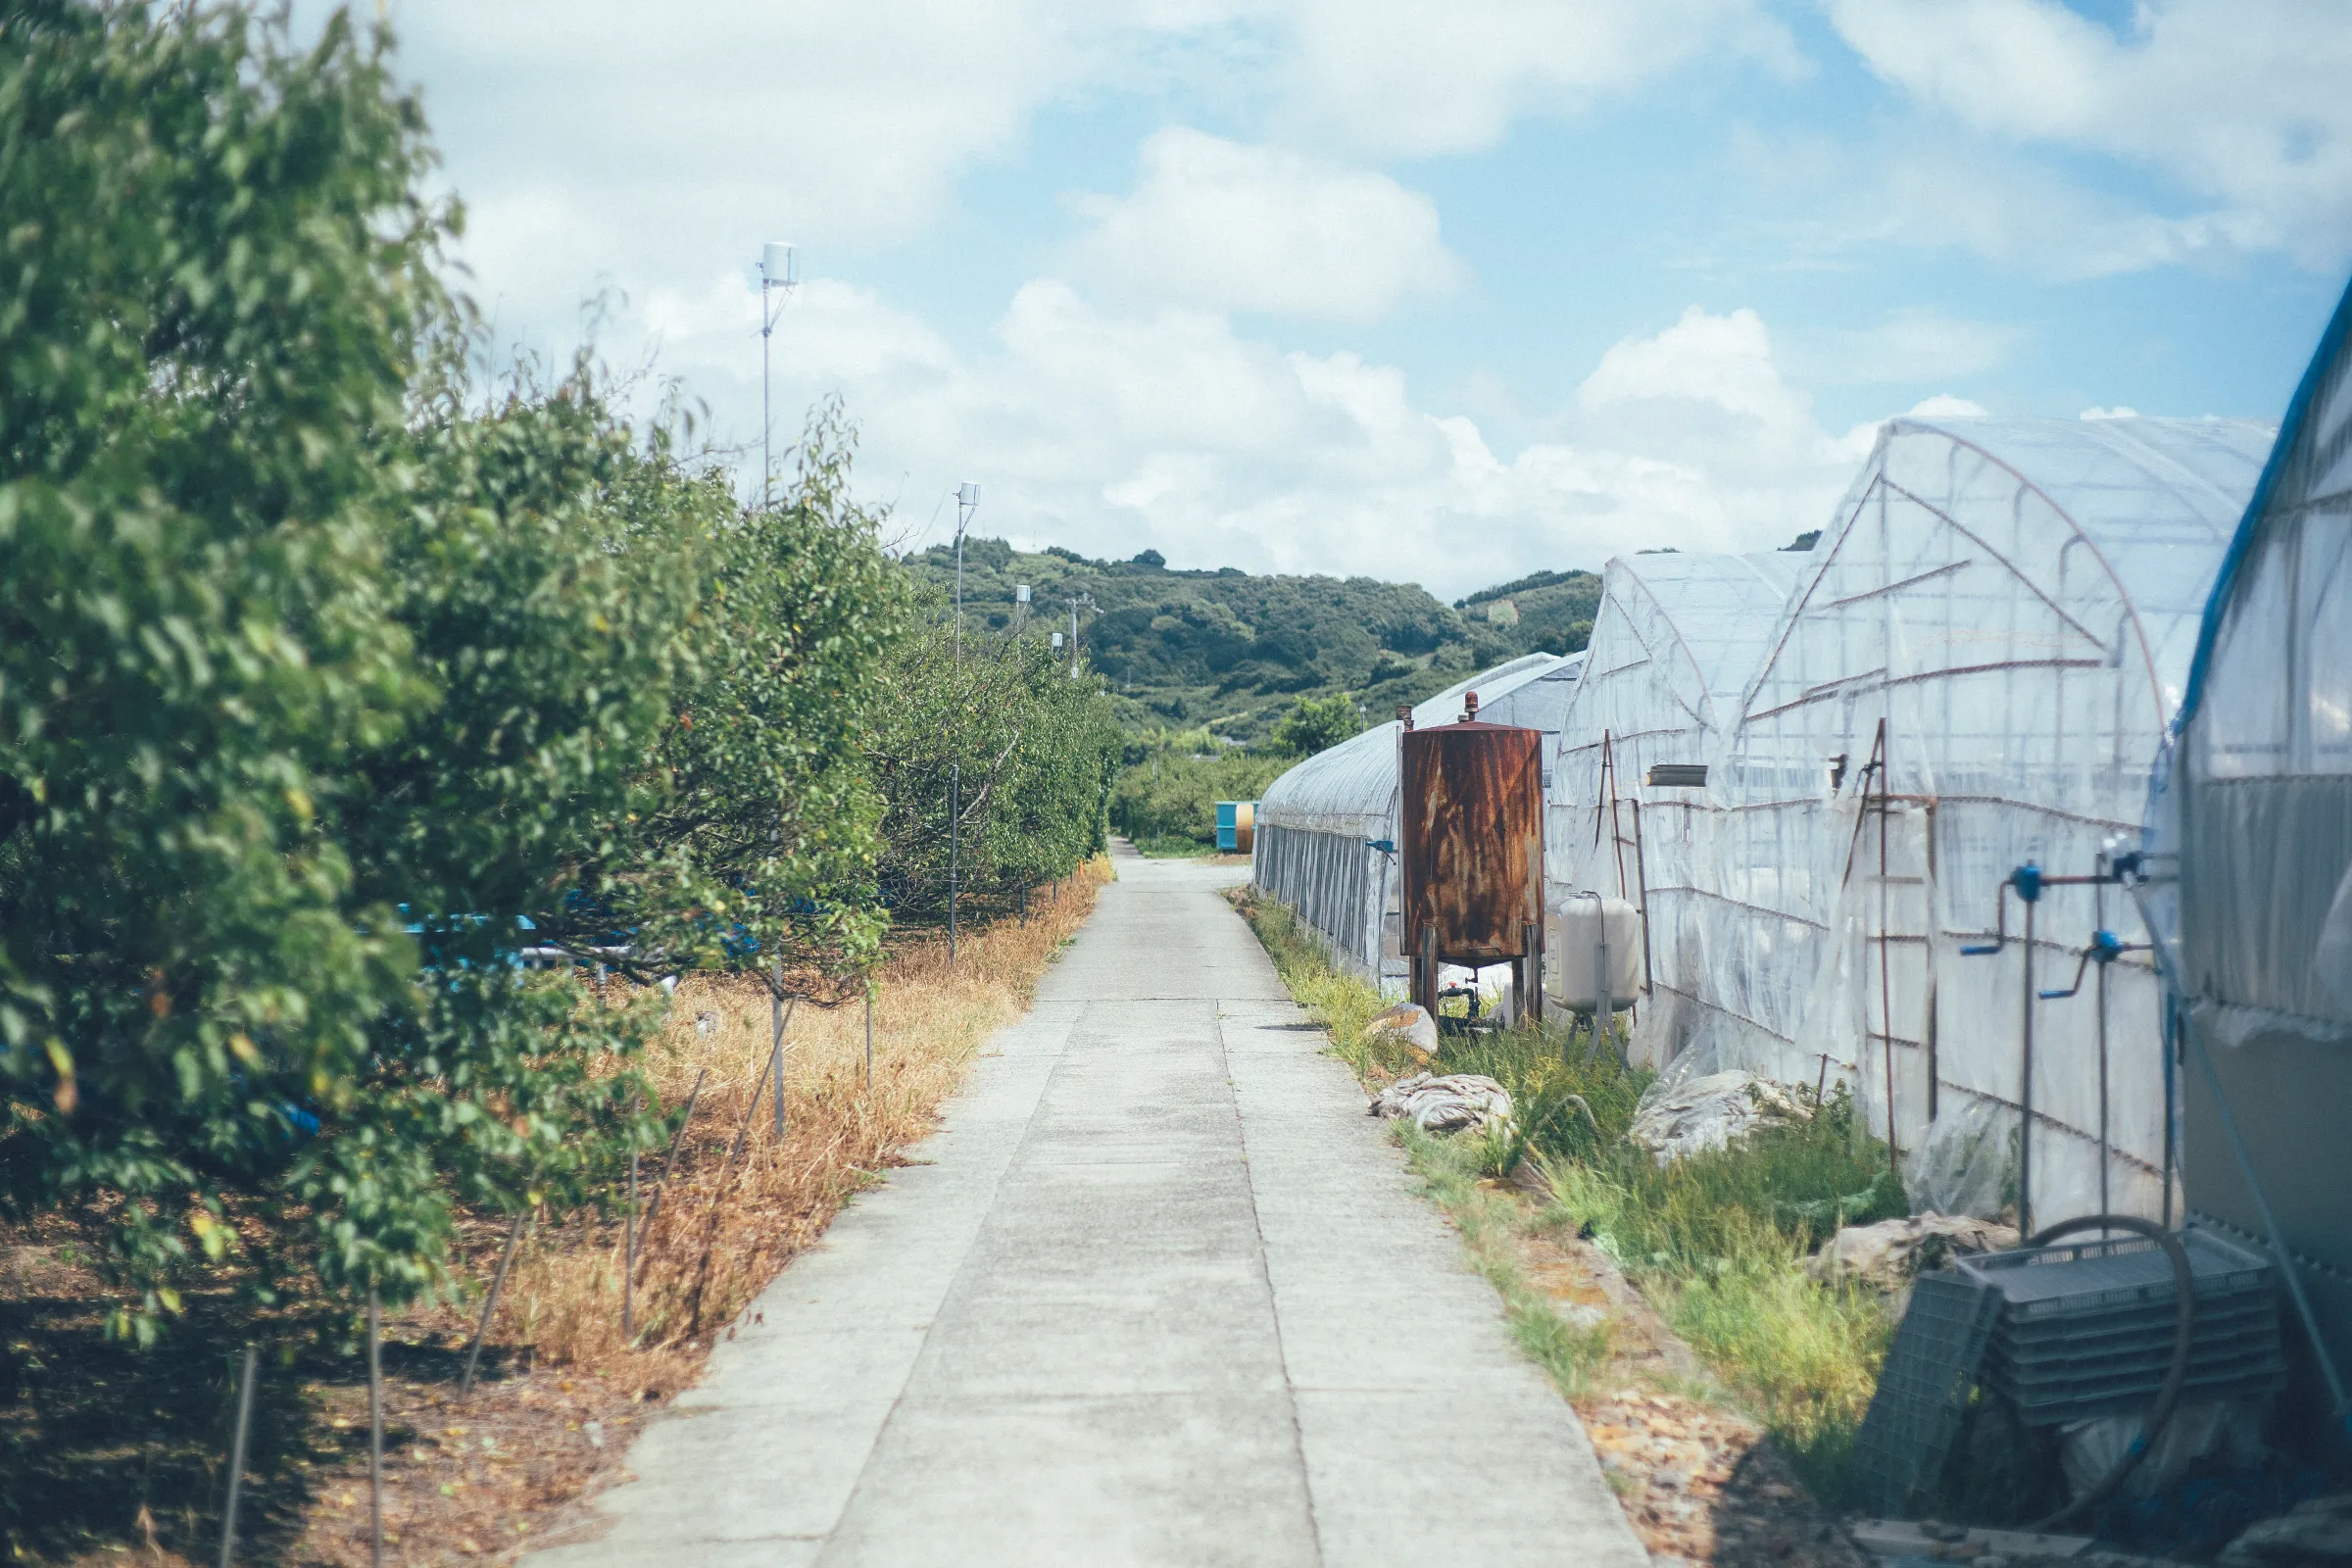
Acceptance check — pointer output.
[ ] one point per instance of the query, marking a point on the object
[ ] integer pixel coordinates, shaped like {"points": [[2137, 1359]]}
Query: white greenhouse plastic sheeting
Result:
{"points": [[2017, 600], [2254, 814], [1675, 639], [1315, 823]]}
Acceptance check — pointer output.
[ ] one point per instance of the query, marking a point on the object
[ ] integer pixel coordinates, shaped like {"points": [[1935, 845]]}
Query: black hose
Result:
{"points": [[2184, 1323]]}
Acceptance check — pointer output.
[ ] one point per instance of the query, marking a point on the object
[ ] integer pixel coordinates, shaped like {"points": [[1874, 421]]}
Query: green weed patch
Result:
{"points": [[1717, 1241]]}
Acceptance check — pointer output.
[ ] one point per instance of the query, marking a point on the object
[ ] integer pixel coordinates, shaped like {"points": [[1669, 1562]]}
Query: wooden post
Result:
{"points": [[481, 1330]]}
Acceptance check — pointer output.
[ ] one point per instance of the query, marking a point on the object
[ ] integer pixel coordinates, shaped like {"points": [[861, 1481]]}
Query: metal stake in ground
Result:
{"points": [[236, 1462], [653, 1207], [954, 805], [628, 1261], [481, 1330], [376, 1430], [869, 1035], [779, 1015]]}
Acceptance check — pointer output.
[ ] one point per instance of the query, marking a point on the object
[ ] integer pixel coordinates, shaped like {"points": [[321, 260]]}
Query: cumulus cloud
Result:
{"points": [[1108, 428], [2240, 104], [1231, 227]]}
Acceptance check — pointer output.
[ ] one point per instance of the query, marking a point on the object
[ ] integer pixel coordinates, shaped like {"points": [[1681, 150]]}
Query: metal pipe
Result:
{"points": [[1885, 980], [2104, 1206], [236, 1461], [2024, 1131]]}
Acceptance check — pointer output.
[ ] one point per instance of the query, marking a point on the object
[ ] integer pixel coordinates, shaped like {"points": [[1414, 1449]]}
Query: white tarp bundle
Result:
{"points": [[1316, 823], [2254, 819], [2013, 604]]}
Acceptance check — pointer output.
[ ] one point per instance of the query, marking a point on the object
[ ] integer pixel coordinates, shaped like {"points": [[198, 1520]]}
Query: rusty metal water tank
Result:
{"points": [[1471, 851]]}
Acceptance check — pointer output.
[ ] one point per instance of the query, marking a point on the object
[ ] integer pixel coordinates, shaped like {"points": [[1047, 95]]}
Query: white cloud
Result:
{"points": [[1108, 429], [1412, 78], [1225, 226], [2119, 411], [1945, 406], [2242, 104]]}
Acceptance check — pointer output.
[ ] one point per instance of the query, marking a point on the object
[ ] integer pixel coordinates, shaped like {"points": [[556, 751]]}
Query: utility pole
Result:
{"points": [[779, 273], [968, 502]]}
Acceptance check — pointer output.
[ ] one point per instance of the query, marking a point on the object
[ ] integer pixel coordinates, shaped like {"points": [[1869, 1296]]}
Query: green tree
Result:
{"points": [[1035, 750], [328, 687], [216, 272], [1317, 723]]}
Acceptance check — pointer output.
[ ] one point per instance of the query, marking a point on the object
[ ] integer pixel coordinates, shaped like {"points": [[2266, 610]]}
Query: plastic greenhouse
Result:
{"points": [[1974, 672], [1318, 824], [2255, 815], [1674, 642]]}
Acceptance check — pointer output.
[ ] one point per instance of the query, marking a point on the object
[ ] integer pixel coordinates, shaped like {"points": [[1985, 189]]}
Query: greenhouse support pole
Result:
{"points": [[1886, 983]]}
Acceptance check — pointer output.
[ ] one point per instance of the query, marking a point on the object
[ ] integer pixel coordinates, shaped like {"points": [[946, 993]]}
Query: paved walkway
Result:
{"points": [[1162, 1294]]}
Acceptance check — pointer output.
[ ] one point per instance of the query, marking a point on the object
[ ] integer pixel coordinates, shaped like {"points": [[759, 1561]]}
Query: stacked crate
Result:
{"points": [[2085, 1328], [2068, 1332]]}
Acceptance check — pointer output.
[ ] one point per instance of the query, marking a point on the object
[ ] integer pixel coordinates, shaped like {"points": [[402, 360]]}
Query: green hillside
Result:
{"points": [[1232, 652]]}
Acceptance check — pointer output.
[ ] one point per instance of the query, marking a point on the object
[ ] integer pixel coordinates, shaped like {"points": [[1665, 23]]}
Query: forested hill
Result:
{"points": [[1232, 651]]}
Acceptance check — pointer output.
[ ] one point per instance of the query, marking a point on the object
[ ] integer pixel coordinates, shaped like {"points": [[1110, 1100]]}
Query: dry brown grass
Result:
{"points": [[740, 1202], [106, 1450]]}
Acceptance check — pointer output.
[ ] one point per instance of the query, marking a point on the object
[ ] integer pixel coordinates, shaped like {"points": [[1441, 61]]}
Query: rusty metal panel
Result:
{"points": [[1472, 847]]}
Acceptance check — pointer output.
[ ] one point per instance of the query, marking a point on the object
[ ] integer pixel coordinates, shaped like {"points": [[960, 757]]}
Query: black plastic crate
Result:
{"points": [[2209, 1336], [2087, 1327], [2121, 1274], [1924, 1388]]}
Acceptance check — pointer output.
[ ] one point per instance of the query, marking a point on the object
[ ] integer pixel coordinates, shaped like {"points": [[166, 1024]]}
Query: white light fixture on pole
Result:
{"points": [[779, 274]]}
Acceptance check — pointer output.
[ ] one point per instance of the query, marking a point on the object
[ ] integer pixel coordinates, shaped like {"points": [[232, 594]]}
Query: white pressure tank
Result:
{"points": [[1575, 934]]}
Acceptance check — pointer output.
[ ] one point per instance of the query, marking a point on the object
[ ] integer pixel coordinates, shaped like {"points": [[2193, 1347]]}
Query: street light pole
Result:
{"points": [[779, 273], [967, 503]]}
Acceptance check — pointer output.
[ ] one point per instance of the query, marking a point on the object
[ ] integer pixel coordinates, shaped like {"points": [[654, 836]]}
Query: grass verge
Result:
{"points": [[1716, 1242]]}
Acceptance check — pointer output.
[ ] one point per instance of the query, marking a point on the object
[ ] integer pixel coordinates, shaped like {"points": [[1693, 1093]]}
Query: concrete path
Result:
{"points": [[1160, 1293]]}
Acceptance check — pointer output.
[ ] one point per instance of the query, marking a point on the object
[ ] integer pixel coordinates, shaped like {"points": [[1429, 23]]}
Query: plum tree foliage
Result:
{"points": [[329, 683]]}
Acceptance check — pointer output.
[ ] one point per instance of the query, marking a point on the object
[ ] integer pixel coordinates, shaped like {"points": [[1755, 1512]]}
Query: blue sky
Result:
{"points": [[1444, 292]]}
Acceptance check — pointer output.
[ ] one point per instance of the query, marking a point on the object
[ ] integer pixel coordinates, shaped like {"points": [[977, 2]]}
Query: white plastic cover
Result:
{"points": [[1316, 822], [2264, 781], [2016, 602], [2251, 832], [1675, 639]]}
